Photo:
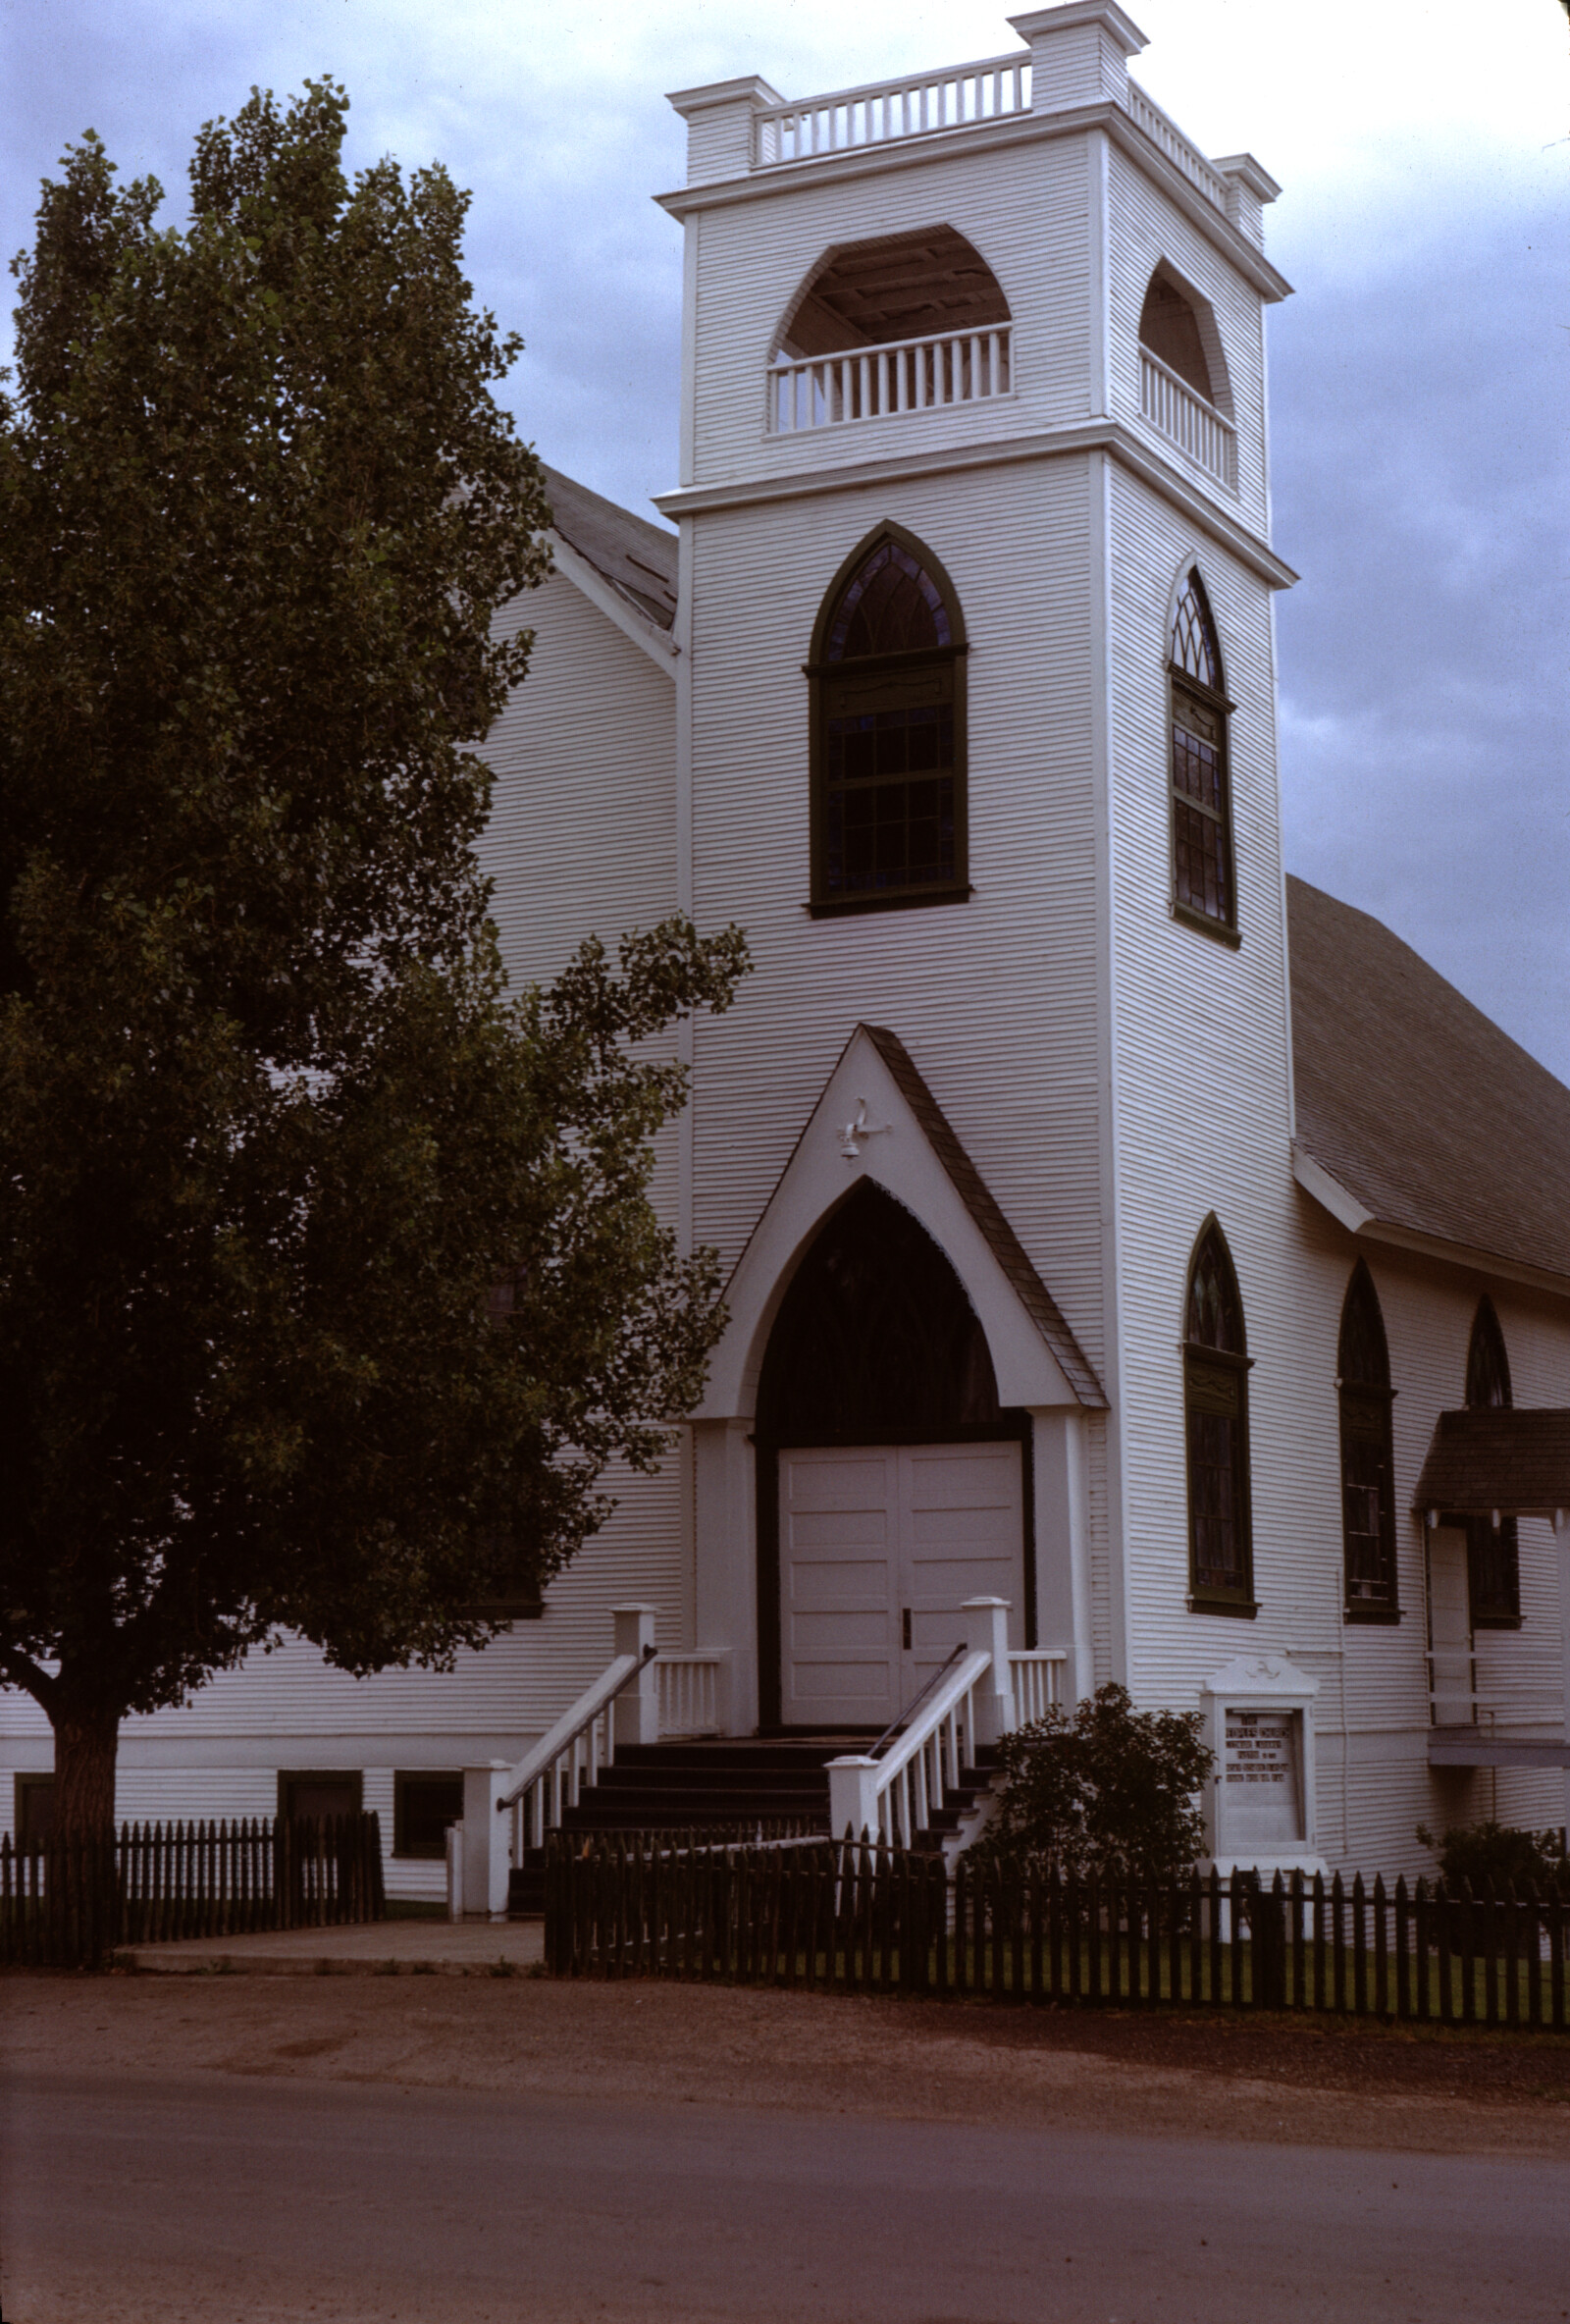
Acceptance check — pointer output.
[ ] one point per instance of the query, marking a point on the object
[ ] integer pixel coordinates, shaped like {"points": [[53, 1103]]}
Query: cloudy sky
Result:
{"points": [[1421, 376]]}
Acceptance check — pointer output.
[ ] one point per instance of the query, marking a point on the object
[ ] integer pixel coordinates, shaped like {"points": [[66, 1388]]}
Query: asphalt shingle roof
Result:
{"points": [[1495, 1458], [634, 557], [1414, 1101]]}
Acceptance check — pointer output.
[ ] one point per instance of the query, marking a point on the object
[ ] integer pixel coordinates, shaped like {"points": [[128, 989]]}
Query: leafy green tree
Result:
{"points": [[1102, 1792], [329, 1282]]}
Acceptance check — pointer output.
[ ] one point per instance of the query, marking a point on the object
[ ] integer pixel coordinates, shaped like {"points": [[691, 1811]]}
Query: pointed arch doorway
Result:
{"points": [[891, 1486]]}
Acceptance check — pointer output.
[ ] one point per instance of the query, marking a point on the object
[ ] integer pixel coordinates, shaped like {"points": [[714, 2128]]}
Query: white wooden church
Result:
{"points": [[1120, 1230]]}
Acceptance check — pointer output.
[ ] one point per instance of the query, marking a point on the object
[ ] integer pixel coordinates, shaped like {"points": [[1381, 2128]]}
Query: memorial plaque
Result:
{"points": [[1260, 1803]]}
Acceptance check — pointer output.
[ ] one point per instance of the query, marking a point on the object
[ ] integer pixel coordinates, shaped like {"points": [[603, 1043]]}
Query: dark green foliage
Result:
{"points": [[1500, 1853], [272, 1131], [1102, 1792]]}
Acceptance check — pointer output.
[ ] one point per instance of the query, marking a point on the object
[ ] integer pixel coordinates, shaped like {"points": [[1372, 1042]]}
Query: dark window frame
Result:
{"points": [[353, 1778], [1493, 1553], [31, 1785], [1216, 1388], [403, 1780], [901, 681], [1199, 713], [1364, 1403]]}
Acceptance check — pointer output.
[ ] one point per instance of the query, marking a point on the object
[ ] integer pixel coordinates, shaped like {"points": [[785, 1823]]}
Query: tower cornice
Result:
{"points": [[1108, 436], [945, 145]]}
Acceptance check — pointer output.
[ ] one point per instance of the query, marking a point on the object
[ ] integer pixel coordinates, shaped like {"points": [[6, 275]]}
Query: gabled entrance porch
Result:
{"points": [[895, 1422]]}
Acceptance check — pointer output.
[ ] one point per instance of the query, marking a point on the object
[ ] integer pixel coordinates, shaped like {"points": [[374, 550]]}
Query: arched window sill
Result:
{"points": [[904, 900], [1222, 932]]}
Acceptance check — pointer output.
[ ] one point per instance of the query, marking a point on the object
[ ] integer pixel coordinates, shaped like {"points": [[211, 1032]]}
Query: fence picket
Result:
{"points": [[865, 1917]]}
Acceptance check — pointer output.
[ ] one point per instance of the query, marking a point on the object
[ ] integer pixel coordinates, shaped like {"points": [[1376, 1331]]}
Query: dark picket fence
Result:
{"points": [[70, 1904], [870, 1920]]}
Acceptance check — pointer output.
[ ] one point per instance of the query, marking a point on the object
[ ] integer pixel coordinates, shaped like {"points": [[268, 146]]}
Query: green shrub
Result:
{"points": [[1500, 1853], [1104, 1792]]}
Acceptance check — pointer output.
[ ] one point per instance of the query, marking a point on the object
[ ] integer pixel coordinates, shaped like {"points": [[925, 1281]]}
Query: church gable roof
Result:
{"points": [[636, 557], [982, 1205], [1432, 1119]]}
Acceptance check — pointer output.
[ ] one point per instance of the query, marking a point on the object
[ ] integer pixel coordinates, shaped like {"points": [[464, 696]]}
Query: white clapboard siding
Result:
{"points": [[1144, 227], [1026, 213], [582, 837], [995, 997]]}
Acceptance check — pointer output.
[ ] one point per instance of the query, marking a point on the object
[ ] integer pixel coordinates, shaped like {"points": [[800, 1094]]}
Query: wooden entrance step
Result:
{"points": [[726, 1784]]}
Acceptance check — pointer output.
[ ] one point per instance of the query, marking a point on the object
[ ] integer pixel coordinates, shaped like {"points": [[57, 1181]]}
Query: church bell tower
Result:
{"points": [[976, 740]]}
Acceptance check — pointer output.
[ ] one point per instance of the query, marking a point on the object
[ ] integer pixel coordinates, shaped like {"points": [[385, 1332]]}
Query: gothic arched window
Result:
{"points": [[1204, 883], [1492, 1552], [875, 1338], [1221, 1554], [888, 676], [1368, 1472]]}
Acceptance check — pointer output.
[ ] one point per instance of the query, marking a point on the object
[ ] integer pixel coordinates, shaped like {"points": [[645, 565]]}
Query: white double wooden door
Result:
{"points": [[880, 1547]]}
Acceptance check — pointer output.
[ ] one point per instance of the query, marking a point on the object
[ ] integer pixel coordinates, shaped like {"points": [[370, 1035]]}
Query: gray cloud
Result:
{"points": [[1421, 479], [1418, 376]]}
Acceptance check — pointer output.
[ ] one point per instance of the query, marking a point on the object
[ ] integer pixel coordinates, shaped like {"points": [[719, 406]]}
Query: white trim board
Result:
{"points": [[646, 635]]}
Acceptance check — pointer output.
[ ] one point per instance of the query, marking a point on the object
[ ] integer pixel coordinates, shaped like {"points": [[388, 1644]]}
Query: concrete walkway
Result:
{"points": [[372, 1948]]}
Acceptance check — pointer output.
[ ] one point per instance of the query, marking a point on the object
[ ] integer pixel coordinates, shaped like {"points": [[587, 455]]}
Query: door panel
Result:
{"points": [[1452, 1683], [962, 1535], [949, 1524], [839, 1633]]}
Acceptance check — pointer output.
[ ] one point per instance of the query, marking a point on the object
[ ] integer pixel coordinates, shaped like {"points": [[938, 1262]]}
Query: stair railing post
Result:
{"points": [[637, 1707], [485, 1841], [987, 1632], [853, 1801]]}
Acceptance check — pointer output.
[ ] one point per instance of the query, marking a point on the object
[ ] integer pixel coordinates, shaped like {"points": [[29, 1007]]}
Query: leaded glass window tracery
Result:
{"points": [[888, 733], [1201, 801], [1216, 1428]]}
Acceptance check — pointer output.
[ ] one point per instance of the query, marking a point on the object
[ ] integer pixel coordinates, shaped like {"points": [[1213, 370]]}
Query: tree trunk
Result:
{"points": [[85, 1744]]}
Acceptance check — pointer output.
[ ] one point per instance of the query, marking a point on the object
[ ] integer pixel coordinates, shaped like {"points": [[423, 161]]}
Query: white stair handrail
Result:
{"points": [[559, 1740], [893, 1798], [925, 1762]]}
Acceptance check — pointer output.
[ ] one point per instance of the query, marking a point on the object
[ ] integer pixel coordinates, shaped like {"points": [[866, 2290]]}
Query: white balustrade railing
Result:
{"points": [[553, 1776], [1036, 1673], [690, 1692], [1196, 427], [891, 1794], [878, 383], [925, 1764], [957, 97], [1164, 132]]}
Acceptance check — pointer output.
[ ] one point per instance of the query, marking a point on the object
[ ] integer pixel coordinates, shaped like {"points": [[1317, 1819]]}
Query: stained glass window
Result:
{"points": [[1368, 1487], [888, 800], [890, 606], [1493, 1556], [1201, 803], [1216, 1421]]}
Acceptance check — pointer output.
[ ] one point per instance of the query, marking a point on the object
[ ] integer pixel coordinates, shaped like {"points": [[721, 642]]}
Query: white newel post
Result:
{"points": [[1079, 53], [638, 1704], [853, 1797], [485, 1829], [987, 1632]]}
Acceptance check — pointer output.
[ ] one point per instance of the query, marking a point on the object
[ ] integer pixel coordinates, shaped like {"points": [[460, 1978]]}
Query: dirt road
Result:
{"points": [[462, 2150]]}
